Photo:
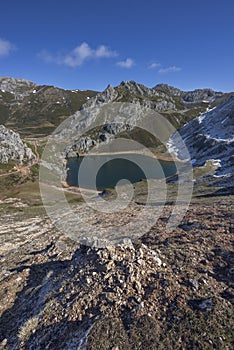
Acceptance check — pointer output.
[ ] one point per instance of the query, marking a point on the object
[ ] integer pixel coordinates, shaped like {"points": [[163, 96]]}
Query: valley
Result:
{"points": [[76, 277]]}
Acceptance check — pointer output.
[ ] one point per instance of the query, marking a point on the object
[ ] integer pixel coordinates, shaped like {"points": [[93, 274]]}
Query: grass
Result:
{"points": [[43, 107], [181, 329], [6, 167]]}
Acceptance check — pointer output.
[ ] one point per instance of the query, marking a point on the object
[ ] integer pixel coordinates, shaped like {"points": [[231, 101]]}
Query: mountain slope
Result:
{"points": [[210, 138], [177, 106], [37, 109]]}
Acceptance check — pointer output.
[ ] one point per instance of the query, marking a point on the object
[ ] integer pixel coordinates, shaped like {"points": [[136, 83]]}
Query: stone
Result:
{"points": [[12, 147], [202, 304]]}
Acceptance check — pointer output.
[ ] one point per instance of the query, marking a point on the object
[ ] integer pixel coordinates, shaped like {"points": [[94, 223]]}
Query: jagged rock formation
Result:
{"points": [[12, 148]]}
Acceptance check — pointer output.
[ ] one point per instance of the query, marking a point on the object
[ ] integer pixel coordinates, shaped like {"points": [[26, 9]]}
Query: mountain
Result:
{"points": [[204, 117], [37, 110], [210, 138], [178, 107]]}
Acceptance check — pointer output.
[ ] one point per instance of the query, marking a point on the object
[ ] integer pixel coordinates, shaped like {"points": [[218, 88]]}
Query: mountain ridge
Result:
{"points": [[44, 107]]}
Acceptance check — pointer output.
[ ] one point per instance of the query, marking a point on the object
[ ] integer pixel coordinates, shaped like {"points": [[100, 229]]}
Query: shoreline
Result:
{"points": [[162, 157]]}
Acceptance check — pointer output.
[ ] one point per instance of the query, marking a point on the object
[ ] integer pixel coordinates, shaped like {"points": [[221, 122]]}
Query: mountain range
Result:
{"points": [[37, 110], [204, 118]]}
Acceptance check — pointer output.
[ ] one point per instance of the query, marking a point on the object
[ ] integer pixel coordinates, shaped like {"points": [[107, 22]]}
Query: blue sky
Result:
{"points": [[88, 44]]}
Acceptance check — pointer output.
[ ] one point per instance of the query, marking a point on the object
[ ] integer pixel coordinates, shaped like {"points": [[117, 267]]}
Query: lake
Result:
{"points": [[105, 171]]}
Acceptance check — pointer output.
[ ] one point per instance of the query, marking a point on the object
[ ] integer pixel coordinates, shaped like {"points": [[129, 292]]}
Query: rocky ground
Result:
{"points": [[162, 291]]}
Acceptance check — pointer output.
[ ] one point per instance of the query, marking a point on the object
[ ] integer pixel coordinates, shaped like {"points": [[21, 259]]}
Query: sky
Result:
{"points": [[77, 44]]}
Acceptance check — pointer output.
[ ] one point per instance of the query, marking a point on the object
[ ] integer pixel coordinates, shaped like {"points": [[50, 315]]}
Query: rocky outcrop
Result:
{"points": [[108, 95], [12, 148], [168, 89], [20, 88]]}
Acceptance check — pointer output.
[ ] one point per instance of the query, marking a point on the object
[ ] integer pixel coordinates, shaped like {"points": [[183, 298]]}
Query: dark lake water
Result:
{"points": [[105, 171]]}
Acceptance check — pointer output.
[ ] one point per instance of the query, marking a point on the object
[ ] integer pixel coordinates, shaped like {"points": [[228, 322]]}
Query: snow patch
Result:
{"points": [[219, 139], [215, 162], [171, 147], [223, 175], [223, 121], [200, 118]]}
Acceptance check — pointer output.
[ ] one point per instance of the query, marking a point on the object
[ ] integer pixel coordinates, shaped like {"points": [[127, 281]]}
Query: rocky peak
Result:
{"points": [[199, 95], [108, 95], [168, 89], [19, 87], [136, 88]]}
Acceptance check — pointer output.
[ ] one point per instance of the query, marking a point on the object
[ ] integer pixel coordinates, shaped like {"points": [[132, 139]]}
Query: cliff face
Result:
{"points": [[12, 148]]}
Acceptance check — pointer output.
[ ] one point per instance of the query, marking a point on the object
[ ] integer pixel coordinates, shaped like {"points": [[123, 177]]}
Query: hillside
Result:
{"points": [[178, 107], [37, 110], [164, 291], [209, 138]]}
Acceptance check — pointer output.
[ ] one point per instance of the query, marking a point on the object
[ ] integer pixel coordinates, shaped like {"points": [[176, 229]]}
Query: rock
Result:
{"points": [[194, 283], [20, 88], [103, 137], [110, 265], [202, 304], [12, 148], [188, 226]]}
